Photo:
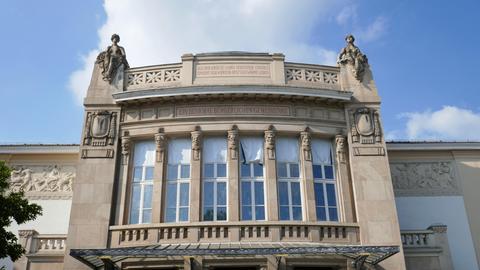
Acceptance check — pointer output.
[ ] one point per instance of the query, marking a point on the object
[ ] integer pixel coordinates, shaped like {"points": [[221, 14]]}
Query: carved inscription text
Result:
{"points": [[233, 70], [232, 110]]}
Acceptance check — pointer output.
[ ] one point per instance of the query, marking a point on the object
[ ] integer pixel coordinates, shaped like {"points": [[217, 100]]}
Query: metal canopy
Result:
{"points": [[94, 258]]}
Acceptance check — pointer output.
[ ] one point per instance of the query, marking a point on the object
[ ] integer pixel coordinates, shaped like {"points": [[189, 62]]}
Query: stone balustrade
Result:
{"points": [[218, 70], [421, 238], [35, 243], [209, 232]]}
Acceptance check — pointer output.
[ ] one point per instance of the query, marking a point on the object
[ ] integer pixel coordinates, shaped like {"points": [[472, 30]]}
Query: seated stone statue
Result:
{"points": [[352, 55], [111, 59]]}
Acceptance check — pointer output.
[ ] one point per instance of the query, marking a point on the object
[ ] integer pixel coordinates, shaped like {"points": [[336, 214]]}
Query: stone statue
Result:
{"points": [[340, 148], [352, 55], [161, 145], [111, 59], [233, 142], [306, 144], [270, 142]]}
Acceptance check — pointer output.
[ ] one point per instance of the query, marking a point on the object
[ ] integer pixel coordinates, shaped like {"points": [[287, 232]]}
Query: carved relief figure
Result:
{"points": [[100, 128], [111, 59], [352, 55], [233, 142], [340, 148], [270, 142], [161, 144], [427, 178], [306, 144], [125, 147], [196, 144], [40, 178]]}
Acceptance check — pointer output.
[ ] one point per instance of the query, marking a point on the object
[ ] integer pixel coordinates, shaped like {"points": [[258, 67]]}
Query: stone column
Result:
{"points": [[233, 182], [158, 176], [307, 177], [196, 176], [122, 199], [441, 240], [344, 186], [271, 175]]}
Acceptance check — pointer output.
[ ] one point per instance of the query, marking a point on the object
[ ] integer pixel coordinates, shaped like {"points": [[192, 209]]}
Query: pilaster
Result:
{"points": [[158, 176], [271, 175], [307, 185], [233, 175], [196, 176]]}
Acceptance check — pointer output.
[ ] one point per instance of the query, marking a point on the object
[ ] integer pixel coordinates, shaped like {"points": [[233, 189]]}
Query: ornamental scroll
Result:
{"points": [[43, 181]]}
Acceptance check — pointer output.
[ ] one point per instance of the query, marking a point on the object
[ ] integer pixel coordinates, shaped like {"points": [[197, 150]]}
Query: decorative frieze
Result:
{"points": [[270, 142], [233, 142], [306, 139], [323, 78], [421, 178], [153, 78], [43, 181]]}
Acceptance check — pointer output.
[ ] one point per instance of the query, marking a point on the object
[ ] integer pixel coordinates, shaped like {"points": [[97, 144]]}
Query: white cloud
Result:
{"points": [[346, 15], [448, 123], [375, 30], [155, 32]]}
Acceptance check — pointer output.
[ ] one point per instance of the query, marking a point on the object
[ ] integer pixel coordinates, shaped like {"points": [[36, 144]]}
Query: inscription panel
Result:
{"points": [[232, 70], [232, 110]]}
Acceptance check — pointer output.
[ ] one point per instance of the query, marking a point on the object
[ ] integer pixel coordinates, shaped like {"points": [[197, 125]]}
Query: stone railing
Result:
{"points": [[312, 75], [153, 77], [235, 69], [431, 244], [209, 232], [35, 243]]}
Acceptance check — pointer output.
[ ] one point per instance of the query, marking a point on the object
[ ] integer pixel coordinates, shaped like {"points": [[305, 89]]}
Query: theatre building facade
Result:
{"points": [[240, 160]]}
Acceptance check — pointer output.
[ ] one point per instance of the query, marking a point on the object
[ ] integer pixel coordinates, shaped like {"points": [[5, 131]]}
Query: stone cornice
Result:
{"points": [[39, 149], [432, 146]]}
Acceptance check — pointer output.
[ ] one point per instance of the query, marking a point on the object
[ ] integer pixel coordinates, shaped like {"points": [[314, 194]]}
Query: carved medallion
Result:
{"points": [[366, 126], [100, 128]]}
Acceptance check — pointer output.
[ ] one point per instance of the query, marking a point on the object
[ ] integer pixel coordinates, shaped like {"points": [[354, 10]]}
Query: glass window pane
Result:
{"points": [[147, 216], [172, 195], [333, 213], [331, 195], [259, 193], [185, 171], [246, 193], [221, 170], [296, 197], [282, 169], [183, 214], [221, 193], [137, 174], [317, 171], [294, 170], [184, 190], [328, 172], [170, 215], [257, 170], [136, 197], [172, 171], [319, 200], [149, 173], [259, 213], [283, 193], [221, 213], [321, 214], [297, 213], [245, 170], [208, 170], [284, 213], [208, 213], [147, 196], [134, 216], [208, 194], [246, 213]]}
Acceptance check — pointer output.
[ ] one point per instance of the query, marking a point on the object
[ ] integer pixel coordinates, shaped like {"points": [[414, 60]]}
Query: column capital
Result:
{"points": [[161, 144], [126, 143], [306, 139], [233, 142], [196, 142], [270, 135]]}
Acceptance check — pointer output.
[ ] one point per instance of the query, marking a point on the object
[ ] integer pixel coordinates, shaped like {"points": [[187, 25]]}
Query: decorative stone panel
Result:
{"points": [[421, 178], [43, 181]]}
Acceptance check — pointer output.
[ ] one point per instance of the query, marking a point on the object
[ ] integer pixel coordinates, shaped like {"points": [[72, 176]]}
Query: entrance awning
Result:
{"points": [[95, 258]]}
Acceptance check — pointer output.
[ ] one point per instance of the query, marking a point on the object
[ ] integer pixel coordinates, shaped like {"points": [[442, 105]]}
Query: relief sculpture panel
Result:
{"points": [[424, 178], [43, 181]]}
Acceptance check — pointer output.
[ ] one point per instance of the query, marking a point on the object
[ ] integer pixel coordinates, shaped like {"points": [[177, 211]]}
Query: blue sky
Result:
{"points": [[424, 54]]}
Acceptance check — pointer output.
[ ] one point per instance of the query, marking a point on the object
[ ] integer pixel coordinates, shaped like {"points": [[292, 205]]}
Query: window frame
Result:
{"points": [[215, 180], [251, 180], [142, 183], [289, 180], [178, 182]]}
